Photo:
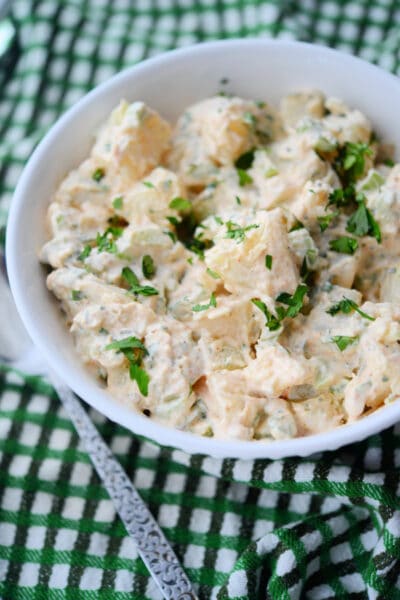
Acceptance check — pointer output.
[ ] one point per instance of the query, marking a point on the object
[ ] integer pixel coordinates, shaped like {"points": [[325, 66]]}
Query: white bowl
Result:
{"points": [[257, 69]]}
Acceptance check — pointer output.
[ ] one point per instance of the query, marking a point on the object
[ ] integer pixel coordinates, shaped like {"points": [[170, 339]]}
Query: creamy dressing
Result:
{"points": [[218, 252]]}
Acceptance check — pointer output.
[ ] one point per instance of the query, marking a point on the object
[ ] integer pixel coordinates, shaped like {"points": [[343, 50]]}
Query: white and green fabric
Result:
{"points": [[319, 528]]}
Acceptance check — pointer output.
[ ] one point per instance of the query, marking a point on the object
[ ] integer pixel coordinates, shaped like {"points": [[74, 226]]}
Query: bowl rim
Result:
{"points": [[161, 434]]}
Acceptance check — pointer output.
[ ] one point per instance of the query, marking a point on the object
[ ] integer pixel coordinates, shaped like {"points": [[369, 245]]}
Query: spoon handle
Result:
{"points": [[151, 543]]}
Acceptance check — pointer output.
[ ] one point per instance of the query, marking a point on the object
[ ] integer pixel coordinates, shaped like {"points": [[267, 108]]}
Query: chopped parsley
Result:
{"points": [[305, 272], [134, 351], [173, 220], [297, 225], [105, 242], [235, 232], [347, 306], [139, 375], [341, 196], [362, 221], [268, 261], [295, 301], [272, 322], [180, 204], [213, 274], [389, 162], [201, 307], [171, 235], [249, 119], [148, 266], [244, 177], [342, 341], [238, 200], [198, 246], [148, 184], [85, 252], [245, 160], [118, 202], [77, 295], [344, 244], [350, 162], [326, 220], [98, 174], [134, 284]]}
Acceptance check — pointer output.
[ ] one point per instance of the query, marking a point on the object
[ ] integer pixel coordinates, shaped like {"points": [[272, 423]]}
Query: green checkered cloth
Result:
{"points": [[317, 528]]}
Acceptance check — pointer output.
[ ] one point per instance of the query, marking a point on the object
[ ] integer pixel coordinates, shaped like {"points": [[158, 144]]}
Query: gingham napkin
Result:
{"points": [[317, 528]]}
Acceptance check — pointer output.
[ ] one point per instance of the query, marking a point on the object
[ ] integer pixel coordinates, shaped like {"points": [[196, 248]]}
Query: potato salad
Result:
{"points": [[236, 274]]}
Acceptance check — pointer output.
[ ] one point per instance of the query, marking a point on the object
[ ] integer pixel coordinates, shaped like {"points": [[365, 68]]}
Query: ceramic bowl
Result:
{"points": [[255, 69]]}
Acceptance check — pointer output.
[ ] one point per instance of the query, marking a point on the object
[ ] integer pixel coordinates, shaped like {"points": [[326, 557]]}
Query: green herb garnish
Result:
{"points": [[347, 306], [362, 221], [142, 378], [85, 252], [249, 119], [326, 220], [134, 284], [173, 220], [238, 200], [127, 343], [272, 322], [297, 225], [77, 295], [105, 242], [245, 160], [180, 204], [148, 184], [148, 266], [342, 196], [201, 307], [213, 274], [305, 272], [235, 232], [344, 244], [268, 261], [342, 341], [244, 177], [134, 351], [295, 301], [118, 202], [171, 235], [98, 174], [350, 162]]}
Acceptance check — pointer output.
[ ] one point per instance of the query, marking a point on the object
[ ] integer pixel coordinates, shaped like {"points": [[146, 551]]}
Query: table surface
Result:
{"points": [[323, 527]]}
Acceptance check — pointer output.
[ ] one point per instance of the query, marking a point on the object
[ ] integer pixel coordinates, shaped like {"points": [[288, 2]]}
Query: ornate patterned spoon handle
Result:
{"points": [[151, 543]]}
